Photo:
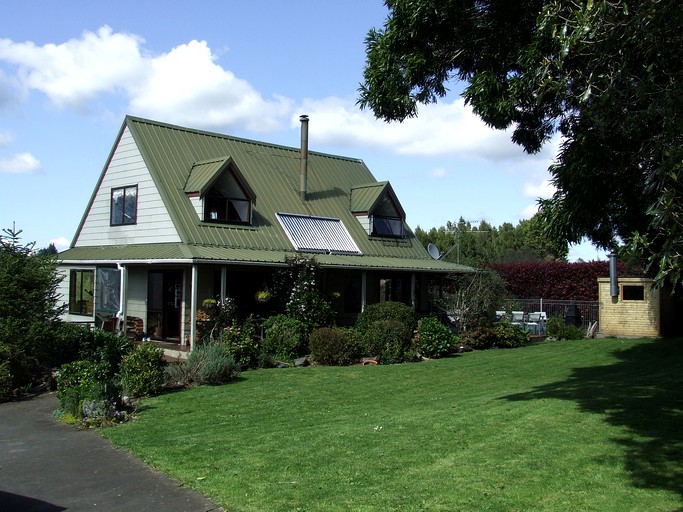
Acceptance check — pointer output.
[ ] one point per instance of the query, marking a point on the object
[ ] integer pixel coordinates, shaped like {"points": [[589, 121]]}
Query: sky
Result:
{"points": [[70, 75]]}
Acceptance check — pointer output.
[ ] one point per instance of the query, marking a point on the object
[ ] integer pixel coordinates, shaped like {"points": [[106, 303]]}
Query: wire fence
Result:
{"points": [[589, 310]]}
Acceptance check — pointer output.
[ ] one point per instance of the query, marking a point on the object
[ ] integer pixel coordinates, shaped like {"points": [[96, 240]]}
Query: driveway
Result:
{"points": [[48, 466]]}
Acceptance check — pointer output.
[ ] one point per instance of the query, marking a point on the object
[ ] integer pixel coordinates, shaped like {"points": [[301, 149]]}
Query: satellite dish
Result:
{"points": [[433, 251]]}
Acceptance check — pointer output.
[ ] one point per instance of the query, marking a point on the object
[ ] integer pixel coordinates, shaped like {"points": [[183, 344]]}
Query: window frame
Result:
{"points": [[388, 221], [78, 294], [224, 203], [114, 207], [633, 292]]}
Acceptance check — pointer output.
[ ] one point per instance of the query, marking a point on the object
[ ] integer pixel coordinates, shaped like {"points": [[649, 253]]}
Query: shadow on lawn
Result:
{"points": [[642, 392]]}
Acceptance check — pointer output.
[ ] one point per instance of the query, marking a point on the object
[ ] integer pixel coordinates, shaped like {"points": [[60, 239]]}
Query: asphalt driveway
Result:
{"points": [[48, 466]]}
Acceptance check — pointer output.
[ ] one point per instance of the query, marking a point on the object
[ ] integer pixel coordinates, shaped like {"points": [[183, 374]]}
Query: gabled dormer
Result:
{"points": [[219, 192], [377, 208]]}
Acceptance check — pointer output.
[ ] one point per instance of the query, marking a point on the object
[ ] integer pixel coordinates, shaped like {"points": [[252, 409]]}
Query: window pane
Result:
{"points": [[81, 292], [130, 205], [117, 206], [238, 210], [387, 226]]}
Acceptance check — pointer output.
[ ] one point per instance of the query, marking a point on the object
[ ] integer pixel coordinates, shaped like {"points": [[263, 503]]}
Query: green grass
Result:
{"points": [[579, 425]]}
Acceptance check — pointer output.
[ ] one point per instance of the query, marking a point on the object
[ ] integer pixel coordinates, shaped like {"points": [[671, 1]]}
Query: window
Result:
{"points": [[124, 205], [632, 292], [81, 292], [387, 226], [228, 201], [218, 208]]}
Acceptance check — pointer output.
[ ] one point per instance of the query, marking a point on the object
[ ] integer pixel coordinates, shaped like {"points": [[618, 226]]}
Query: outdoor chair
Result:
{"points": [[517, 318], [533, 322]]}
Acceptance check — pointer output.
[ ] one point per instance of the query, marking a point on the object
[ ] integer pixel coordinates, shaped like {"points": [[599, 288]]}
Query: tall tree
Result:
{"points": [[29, 312], [605, 74], [484, 244]]}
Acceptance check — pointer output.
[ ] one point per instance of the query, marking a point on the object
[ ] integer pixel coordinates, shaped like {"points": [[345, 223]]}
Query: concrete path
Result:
{"points": [[47, 466]]}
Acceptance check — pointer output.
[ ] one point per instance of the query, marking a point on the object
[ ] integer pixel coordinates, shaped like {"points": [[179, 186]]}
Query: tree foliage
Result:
{"points": [[480, 245], [604, 74], [29, 310], [558, 279]]}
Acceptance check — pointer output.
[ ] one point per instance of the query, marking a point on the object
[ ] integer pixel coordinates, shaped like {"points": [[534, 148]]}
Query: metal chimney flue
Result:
{"points": [[303, 180]]}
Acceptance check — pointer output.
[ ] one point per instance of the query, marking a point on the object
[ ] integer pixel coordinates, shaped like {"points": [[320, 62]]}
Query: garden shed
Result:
{"points": [[639, 310]]}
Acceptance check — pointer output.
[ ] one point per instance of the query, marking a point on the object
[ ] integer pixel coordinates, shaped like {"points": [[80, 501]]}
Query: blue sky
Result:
{"points": [[69, 75]]}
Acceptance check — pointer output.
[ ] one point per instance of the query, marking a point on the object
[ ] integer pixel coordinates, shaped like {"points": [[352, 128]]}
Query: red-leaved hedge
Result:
{"points": [[557, 280]]}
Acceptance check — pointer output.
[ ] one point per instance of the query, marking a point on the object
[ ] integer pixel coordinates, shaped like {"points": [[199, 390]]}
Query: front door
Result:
{"points": [[164, 300]]}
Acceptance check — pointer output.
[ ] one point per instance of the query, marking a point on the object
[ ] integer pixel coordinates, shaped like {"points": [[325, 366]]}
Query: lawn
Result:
{"points": [[573, 425]]}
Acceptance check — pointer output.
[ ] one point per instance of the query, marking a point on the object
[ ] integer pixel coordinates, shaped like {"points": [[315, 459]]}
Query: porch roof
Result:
{"points": [[187, 254]]}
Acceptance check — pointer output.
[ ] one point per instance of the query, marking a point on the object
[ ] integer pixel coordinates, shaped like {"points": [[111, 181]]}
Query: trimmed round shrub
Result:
{"points": [[285, 338], [142, 371], [433, 338], [391, 341], [210, 363], [335, 346], [386, 311]]}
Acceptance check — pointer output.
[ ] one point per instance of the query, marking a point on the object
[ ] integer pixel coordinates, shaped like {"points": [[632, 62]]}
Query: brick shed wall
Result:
{"points": [[629, 318]]}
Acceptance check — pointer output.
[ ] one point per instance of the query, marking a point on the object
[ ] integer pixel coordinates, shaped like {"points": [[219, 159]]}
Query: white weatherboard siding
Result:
{"points": [[154, 224]]}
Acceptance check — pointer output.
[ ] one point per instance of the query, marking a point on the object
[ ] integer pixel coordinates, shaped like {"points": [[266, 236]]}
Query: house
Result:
{"points": [[181, 215]]}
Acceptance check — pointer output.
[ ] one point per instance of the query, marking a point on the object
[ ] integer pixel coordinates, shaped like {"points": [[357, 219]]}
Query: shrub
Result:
{"points": [[335, 345], [481, 338], [209, 363], [391, 341], [214, 317], [142, 371], [242, 343], [6, 388], [433, 339], [296, 289], [77, 382], [510, 336], [557, 329], [106, 349], [285, 338], [386, 311], [101, 413], [501, 336]]}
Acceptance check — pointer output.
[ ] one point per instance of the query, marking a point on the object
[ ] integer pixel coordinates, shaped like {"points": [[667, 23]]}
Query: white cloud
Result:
{"points": [[544, 190], [529, 211], [449, 129], [75, 72], [183, 86], [21, 163], [438, 173], [186, 86], [61, 243], [6, 139]]}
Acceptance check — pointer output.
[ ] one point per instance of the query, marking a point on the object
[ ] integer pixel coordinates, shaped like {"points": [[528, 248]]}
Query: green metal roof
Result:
{"points": [[182, 160], [364, 198], [179, 253], [204, 174]]}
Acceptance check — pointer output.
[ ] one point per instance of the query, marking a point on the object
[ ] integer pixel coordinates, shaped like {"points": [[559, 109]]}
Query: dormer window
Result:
{"points": [[219, 193], [378, 210], [224, 205]]}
